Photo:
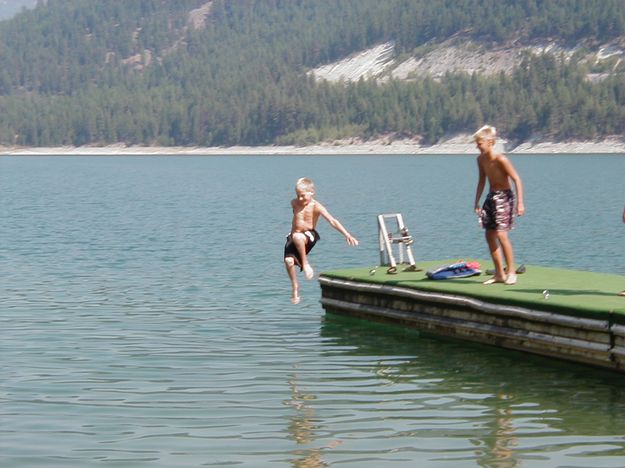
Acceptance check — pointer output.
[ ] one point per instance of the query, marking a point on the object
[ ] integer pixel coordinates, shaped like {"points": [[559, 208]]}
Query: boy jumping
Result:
{"points": [[303, 236], [496, 215]]}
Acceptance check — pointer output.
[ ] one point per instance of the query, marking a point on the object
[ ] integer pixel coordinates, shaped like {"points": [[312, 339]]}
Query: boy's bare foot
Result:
{"points": [[511, 279], [494, 280], [308, 272], [295, 297], [622, 293]]}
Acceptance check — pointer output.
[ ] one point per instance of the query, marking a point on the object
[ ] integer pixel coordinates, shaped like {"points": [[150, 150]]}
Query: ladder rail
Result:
{"points": [[403, 240]]}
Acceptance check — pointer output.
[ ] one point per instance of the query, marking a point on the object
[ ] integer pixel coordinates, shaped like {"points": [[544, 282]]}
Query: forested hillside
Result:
{"points": [[226, 72]]}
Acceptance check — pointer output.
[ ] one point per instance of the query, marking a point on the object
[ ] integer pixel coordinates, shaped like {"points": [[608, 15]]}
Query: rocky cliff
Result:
{"points": [[459, 55]]}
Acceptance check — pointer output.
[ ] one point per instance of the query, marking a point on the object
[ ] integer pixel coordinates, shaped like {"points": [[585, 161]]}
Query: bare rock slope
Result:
{"points": [[453, 55]]}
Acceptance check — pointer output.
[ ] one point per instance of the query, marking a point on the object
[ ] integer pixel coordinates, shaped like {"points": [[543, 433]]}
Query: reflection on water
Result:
{"points": [[303, 428], [502, 450]]}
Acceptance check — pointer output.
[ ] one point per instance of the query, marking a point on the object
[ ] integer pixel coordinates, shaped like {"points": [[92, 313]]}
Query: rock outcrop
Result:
{"points": [[459, 55]]}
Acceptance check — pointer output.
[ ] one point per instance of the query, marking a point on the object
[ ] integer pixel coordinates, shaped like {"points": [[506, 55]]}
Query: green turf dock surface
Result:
{"points": [[571, 292], [569, 314]]}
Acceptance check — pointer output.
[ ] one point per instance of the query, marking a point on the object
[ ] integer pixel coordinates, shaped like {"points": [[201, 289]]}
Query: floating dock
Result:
{"points": [[566, 314]]}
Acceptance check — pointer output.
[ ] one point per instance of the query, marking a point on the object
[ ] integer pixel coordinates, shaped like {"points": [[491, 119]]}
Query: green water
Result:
{"points": [[145, 318]]}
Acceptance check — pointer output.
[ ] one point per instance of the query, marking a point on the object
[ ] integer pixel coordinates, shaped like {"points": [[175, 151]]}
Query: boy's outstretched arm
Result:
{"points": [[335, 223]]}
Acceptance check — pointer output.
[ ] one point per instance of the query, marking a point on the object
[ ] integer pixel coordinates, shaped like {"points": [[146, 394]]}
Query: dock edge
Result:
{"points": [[594, 342]]}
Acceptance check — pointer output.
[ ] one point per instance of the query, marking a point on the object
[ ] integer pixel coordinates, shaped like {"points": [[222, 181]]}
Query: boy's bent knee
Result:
{"points": [[289, 262]]}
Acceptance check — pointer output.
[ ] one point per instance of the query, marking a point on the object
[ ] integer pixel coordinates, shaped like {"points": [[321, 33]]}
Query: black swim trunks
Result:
{"points": [[312, 236], [498, 211]]}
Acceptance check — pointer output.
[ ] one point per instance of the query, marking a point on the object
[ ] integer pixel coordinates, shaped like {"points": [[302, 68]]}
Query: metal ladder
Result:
{"points": [[401, 238]]}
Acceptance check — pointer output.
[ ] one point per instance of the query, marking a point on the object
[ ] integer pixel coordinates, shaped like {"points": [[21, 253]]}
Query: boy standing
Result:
{"points": [[303, 236], [496, 215]]}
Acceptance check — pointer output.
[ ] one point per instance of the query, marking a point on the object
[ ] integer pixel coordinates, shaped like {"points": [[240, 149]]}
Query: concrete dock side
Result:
{"points": [[565, 314]]}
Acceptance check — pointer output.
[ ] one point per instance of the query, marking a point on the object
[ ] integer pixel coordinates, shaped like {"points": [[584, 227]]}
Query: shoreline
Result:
{"points": [[461, 145]]}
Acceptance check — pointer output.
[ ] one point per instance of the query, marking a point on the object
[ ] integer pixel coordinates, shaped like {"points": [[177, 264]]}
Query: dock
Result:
{"points": [[560, 313]]}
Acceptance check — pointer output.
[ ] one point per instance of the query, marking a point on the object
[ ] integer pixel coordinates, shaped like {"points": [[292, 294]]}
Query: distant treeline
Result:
{"points": [[65, 77]]}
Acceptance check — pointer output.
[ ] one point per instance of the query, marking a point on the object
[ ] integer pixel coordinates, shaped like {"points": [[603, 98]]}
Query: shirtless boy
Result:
{"points": [[303, 236], [496, 215]]}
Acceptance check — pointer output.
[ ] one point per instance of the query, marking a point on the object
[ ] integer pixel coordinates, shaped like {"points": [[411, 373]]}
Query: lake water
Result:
{"points": [[145, 318]]}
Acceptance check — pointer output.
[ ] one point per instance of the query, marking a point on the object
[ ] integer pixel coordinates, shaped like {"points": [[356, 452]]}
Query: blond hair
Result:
{"points": [[305, 185], [487, 132]]}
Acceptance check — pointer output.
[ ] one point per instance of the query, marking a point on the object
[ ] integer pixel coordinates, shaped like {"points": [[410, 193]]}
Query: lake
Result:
{"points": [[145, 318]]}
